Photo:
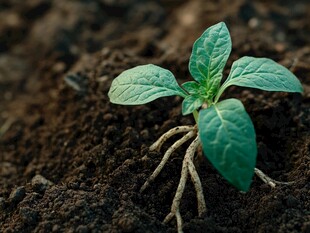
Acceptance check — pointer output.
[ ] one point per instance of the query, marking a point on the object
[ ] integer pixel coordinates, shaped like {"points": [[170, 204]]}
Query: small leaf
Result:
{"points": [[228, 141], [143, 84], [191, 87], [262, 73], [191, 103], [209, 55]]}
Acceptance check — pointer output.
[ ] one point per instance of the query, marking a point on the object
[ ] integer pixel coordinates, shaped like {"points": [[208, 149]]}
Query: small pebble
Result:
{"points": [[18, 194], [55, 228], [40, 183], [254, 23], [74, 185], [107, 117], [145, 134]]}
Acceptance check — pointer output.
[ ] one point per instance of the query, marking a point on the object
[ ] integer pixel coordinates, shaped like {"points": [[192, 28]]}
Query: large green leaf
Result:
{"points": [[143, 84], [262, 73], [209, 55], [228, 141]]}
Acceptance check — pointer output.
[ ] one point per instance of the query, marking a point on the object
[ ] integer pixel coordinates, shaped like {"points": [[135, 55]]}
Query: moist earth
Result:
{"points": [[70, 161]]}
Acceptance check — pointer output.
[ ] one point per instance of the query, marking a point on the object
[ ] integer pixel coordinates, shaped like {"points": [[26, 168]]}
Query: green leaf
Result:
{"points": [[228, 141], [143, 84], [209, 55], [191, 103], [191, 87], [262, 73]]}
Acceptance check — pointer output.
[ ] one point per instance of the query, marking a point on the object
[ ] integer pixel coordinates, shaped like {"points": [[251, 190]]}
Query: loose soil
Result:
{"points": [[70, 161]]}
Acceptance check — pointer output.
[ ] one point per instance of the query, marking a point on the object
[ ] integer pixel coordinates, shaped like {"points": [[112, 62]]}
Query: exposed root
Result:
{"points": [[165, 158], [179, 221], [271, 182], [179, 129], [202, 209], [188, 168], [175, 207]]}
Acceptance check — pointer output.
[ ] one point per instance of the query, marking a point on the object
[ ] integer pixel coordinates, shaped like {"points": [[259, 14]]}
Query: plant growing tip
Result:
{"points": [[224, 128]]}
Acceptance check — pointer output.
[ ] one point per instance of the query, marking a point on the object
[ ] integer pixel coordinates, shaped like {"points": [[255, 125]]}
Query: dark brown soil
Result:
{"points": [[73, 162]]}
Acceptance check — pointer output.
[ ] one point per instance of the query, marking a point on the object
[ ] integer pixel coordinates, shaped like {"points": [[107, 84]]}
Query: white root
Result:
{"points": [[271, 182], [202, 209], [165, 158], [187, 168], [179, 221], [179, 129], [175, 207]]}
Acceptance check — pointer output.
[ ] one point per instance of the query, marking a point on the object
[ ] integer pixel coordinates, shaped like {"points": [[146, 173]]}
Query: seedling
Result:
{"points": [[224, 129]]}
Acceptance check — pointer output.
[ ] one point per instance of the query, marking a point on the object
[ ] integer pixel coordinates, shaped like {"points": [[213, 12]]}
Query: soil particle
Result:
{"points": [[40, 184], [17, 194], [28, 215], [2, 203]]}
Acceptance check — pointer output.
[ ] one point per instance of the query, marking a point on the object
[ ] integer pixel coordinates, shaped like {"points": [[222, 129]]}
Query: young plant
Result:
{"points": [[224, 129]]}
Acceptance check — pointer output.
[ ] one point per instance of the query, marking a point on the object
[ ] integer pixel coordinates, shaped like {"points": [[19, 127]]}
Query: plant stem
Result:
{"points": [[196, 115], [220, 91]]}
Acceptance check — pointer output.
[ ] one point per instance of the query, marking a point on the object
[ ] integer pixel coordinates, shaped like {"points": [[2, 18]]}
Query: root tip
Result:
{"points": [[153, 148], [144, 186]]}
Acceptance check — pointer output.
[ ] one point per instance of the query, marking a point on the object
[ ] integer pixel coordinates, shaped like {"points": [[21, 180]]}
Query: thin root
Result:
{"points": [[165, 158], [179, 221], [271, 182], [178, 195], [187, 168], [179, 129], [202, 209]]}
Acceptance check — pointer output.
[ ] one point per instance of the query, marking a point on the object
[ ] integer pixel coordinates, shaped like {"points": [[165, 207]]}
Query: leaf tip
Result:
{"points": [[300, 89]]}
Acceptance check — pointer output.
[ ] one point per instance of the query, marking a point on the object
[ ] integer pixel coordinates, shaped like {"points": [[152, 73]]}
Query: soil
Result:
{"points": [[70, 161]]}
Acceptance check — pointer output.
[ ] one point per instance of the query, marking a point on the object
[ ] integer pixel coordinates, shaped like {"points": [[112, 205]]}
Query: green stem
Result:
{"points": [[196, 115], [221, 90]]}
